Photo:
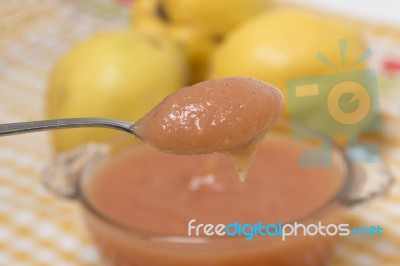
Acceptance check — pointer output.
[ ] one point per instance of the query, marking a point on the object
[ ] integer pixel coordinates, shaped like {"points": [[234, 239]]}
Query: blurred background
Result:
{"points": [[69, 58]]}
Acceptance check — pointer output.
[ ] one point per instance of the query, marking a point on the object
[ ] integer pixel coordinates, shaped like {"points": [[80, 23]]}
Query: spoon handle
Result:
{"points": [[27, 127]]}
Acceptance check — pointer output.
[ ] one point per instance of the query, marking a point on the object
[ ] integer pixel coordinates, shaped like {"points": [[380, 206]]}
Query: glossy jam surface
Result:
{"points": [[223, 115], [160, 192]]}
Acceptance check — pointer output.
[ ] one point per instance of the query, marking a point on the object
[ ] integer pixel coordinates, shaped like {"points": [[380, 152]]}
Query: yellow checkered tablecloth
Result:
{"points": [[38, 229], [35, 227]]}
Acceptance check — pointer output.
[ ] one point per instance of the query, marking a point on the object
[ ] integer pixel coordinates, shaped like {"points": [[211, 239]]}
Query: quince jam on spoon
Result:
{"points": [[228, 115]]}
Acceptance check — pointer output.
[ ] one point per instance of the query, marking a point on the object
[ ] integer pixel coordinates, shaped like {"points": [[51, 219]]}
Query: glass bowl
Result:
{"points": [[73, 174]]}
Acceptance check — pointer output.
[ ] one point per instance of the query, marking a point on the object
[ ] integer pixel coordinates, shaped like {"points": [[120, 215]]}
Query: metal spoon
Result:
{"points": [[34, 126]]}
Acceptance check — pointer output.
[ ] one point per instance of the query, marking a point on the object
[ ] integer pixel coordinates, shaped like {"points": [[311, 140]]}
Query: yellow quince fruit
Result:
{"points": [[197, 26], [115, 74]]}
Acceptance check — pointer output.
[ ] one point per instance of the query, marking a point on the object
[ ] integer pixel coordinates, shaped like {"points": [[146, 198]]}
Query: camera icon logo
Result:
{"points": [[342, 104]]}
